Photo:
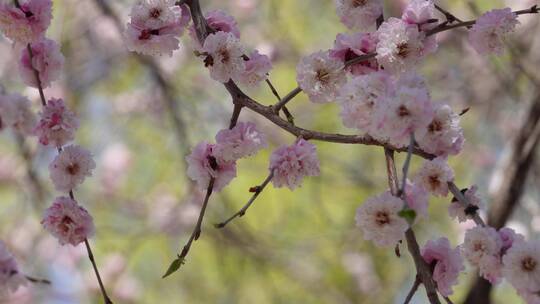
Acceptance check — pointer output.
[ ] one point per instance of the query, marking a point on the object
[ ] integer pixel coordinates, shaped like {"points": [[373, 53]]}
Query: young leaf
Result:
{"points": [[175, 265], [408, 214]]}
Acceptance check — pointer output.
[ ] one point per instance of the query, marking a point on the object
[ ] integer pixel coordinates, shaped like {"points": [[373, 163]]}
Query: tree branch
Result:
{"points": [[241, 212], [413, 290], [422, 268]]}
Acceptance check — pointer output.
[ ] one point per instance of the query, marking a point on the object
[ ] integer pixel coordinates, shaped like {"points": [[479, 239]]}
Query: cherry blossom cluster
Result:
{"points": [[370, 73], [40, 63], [156, 26], [384, 98], [371, 76]]}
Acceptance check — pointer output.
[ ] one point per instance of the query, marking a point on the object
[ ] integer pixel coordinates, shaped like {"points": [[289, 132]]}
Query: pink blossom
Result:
{"points": [[291, 163], [224, 56], [481, 242], [320, 76], [401, 45], [447, 263], [521, 266], [241, 141], [379, 219], [219, 21], [417, 198], [204, 163], [490, 268], [256, 69], [71, 167], [407, 110], [420, 13], [350, 46], [443, 136], [10, 276], [462, 213], [57, 125], [46, 59], [360, 98], [68, 222], [487, 34], [359, 14], [16, 112], [156, 26], [434, 176], [509, 237], [27, 23]]}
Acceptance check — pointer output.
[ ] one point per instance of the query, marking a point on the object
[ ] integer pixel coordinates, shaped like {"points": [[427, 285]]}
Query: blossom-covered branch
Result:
{"points": [[25, 22]]}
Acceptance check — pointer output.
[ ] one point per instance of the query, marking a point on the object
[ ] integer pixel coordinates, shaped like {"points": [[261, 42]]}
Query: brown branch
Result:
{"points": [[242, 212], [413, 290], [36, 75], [422, 268], [37, 281], [463, 201], [235, 115], [198, 227], [89, 250], [94, 265], [286, 99], [445, 27], [288, 114], [449, 16]]}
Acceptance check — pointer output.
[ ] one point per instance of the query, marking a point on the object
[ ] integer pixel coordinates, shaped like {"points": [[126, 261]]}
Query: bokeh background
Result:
{"points": [[140, 117]]}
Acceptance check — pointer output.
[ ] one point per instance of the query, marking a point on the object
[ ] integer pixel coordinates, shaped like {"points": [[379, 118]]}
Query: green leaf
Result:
{"points": [[408, 214], [175, 265]]}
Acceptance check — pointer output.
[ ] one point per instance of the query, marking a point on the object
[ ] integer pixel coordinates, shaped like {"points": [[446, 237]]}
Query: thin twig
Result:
{"points": [[464, 202], [241, 212], [288, 115], [273, 89], [286, 99], [449, 16], [37, 281], [36, 74], [532, 10], [407, 164], [413, 290], [391, 171], [94, 265], [44, 103], [198, 227], [422, 268], [235, 115]]}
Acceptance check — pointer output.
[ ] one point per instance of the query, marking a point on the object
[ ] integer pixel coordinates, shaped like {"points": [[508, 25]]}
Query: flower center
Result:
{"points": [[478, 246], [382, 218], [65, 223], [403, 50], [155, 13], [358, 3], [403, 111], [225, 56], [73, 168], [435, 126], [434, 181], [323, 76], [147, 34], [528, 264]]}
